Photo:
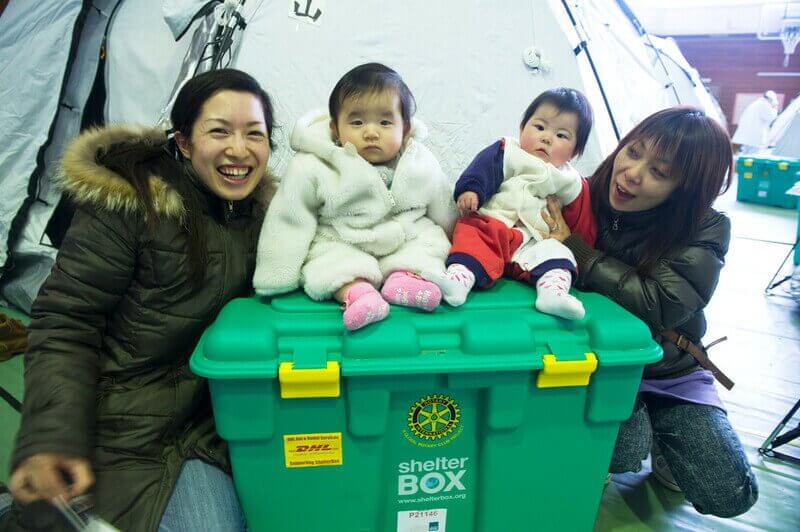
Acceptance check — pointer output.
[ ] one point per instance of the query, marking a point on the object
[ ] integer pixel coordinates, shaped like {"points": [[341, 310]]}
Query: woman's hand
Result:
{"points": [[50, 475], [467, 202], [554, 220]]}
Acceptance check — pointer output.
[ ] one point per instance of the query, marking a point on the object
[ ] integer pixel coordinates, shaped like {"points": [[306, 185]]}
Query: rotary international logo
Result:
{"points": [[435, 419]]}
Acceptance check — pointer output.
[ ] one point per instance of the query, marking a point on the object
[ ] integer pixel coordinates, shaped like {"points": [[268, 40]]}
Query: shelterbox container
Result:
{"points": [[489, 417], [765, 180], [797, 238]]}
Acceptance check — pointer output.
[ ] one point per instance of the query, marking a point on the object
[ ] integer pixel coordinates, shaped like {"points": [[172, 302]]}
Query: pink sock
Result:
{"points": [[363, 305], [405, 288]]}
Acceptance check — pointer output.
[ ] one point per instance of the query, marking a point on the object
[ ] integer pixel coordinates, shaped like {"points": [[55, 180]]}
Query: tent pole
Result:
{"points": [[582, 46], [623, 5]]}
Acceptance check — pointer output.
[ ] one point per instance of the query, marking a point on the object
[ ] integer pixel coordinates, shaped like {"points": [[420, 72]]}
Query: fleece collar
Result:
{"points": [[312, 134]]}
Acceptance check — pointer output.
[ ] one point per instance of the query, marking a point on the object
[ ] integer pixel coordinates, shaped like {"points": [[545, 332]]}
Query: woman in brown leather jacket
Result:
{"points": [[164, 235], [660, 248]]}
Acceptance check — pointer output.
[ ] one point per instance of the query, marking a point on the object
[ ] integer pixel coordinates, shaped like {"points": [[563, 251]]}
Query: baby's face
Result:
{"points": [[550, 135], [373, 123]]}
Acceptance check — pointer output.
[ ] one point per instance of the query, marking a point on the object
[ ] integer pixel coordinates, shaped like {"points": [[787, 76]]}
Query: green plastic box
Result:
{"points": [[489, 417], [765, 180], [797, 238]]}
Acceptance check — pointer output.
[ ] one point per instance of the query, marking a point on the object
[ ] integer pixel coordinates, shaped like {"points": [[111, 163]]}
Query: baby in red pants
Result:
{"points": [[503, 192]]}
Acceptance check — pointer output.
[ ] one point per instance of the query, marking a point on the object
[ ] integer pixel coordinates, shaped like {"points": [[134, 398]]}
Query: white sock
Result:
{"points": [[552, 295], [455, 284]]}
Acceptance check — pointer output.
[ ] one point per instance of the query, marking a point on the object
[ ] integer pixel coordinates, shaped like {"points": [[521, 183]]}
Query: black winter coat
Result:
{"points": [[673, 295], [106, 371]]}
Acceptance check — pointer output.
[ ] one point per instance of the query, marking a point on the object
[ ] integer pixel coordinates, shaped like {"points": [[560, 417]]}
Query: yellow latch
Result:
{"points": [[783, 165], [748, 162], [566, 373], [748, 175], [308, 383]]}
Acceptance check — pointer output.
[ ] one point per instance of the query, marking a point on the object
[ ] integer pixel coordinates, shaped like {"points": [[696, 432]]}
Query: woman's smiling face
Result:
{"points": [[229, 144]]}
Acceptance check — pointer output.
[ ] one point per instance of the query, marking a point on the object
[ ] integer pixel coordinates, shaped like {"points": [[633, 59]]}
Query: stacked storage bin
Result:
{"points": [[765, 180], [797, 238], [489, 417]]}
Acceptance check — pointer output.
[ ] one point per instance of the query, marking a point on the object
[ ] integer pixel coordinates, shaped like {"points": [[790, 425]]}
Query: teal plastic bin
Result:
{"points": [[489, 417], [765, 180], [797, 238]]}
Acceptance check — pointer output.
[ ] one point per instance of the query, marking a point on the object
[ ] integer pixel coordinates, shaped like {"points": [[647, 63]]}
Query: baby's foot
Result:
{"points": [[363, 305], [553, 297], [409, 290], [456, 283]]}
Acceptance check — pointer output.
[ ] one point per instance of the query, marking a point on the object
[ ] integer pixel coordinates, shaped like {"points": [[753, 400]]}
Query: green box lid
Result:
{"points": [[496, 330]]}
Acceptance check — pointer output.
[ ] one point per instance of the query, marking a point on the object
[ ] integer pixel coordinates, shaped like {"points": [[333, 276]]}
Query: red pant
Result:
{"points": [[482, 241]]}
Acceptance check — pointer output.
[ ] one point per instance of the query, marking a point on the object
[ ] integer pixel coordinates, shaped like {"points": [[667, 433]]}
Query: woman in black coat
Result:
{"points": [[660, 248], [164, 235]]}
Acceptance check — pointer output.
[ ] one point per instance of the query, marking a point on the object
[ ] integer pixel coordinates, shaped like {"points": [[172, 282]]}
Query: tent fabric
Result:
{"points": [[784, 135], [686, 80], [471, 85], [143, 62], [179, 14], [32, 253], [34, 52]]}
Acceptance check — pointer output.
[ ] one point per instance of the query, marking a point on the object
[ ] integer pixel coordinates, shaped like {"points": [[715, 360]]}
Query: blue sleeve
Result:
{"points": [[484, 175]]}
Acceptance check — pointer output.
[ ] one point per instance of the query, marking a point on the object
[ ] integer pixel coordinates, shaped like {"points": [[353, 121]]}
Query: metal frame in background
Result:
{"points": [[774, 440], [771, 285]]}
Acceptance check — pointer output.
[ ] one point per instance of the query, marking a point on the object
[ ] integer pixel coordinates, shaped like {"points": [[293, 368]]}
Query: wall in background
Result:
{"points": [[731, 65]]}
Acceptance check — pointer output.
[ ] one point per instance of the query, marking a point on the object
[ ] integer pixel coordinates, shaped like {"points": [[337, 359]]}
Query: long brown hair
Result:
{"points": [[699, 152]]}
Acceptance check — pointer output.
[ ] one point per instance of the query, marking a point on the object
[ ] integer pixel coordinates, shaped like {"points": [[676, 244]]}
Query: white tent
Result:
{"points": [[473, 66], [784, 135], [685, 78]]}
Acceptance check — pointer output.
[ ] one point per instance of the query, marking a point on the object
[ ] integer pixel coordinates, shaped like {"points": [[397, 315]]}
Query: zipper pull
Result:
{"points": [[229, 211], [615, 224]]}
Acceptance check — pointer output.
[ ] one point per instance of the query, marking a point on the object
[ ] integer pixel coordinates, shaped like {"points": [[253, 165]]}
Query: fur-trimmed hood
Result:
{"points": [[87, 181]]}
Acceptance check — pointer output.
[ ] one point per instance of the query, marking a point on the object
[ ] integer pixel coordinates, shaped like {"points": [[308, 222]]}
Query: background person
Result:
{"points": [[752, 132]]}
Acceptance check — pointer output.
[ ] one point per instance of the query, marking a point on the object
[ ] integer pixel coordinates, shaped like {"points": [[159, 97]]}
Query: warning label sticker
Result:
{"points": [[313, 450]]}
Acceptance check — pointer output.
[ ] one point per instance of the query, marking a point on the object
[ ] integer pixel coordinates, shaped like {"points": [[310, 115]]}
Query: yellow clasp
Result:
{"points": [[567, 373], [308, 383]]}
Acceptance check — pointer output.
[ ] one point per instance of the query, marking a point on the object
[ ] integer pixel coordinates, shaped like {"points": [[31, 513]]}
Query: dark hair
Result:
{"points": [[566, 101], [195, 92], [699, 151], [370, 78], [140, 158]]}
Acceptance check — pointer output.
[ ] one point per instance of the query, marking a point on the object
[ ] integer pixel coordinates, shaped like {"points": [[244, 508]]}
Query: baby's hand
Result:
{"points": [[467, 202]]}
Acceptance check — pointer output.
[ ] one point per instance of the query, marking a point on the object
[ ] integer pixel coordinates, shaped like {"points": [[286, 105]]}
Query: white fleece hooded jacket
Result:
{"points": [[333, 220]]}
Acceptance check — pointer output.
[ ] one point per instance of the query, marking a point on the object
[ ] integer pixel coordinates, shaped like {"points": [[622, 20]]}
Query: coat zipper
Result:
{"points": [[229, 211], [615, 224]]}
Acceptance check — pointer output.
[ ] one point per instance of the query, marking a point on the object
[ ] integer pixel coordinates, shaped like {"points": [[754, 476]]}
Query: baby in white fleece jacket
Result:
{"points": [[363, 205]]}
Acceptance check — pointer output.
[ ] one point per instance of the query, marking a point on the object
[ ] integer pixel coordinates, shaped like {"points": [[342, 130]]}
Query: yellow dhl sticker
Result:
{"points": [[313, 450]]}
